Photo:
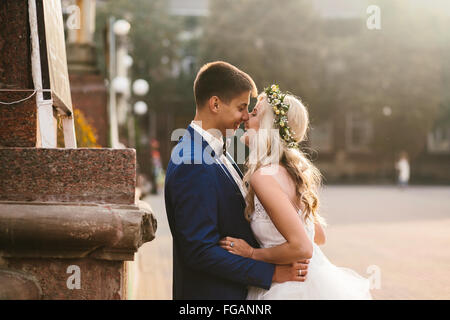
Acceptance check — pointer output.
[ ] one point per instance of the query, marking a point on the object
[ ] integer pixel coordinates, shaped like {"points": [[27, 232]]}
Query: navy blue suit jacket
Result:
{"points": [[203, 205]]}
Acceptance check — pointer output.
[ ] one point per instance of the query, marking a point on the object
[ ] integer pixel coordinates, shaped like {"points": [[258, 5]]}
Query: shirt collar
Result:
{"points": [[215, 143]]}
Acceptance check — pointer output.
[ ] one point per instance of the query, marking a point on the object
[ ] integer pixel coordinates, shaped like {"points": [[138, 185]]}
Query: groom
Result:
{"points": [[204, 195]]}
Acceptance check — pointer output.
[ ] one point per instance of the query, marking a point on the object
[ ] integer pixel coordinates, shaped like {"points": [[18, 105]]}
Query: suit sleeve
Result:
{"points": [[195, 217]]}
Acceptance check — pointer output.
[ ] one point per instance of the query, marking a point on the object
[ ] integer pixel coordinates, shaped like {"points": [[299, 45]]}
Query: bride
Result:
{"points": [[282, 205]]}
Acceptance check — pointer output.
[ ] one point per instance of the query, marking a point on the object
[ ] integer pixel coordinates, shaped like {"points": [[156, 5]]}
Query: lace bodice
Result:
{"points": [[265, 231]]}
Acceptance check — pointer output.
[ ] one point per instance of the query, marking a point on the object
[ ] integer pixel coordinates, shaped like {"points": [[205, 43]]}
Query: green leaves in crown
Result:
{"points": [[280, 110]]}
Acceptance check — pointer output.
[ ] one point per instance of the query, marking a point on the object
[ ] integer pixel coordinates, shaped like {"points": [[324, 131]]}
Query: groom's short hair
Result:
{"points": [[221, 79]]}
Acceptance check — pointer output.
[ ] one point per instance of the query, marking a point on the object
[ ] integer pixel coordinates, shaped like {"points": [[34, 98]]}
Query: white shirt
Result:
{"points": [[217, 145], [403, 168]]}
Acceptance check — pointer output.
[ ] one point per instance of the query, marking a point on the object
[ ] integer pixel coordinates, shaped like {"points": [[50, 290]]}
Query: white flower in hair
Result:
{"points": [[280, 108]]}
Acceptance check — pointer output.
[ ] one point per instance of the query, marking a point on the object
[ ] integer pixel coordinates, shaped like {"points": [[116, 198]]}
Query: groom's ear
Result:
{"points": [[214, 104]]}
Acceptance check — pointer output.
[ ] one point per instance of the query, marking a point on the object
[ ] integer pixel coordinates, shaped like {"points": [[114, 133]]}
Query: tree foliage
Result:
{"points": [[335, 65], [338, 65], [153, 44]]}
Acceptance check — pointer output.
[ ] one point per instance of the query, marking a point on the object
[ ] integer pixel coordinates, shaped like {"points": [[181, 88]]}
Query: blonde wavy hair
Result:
{"points": [[268, 148]]}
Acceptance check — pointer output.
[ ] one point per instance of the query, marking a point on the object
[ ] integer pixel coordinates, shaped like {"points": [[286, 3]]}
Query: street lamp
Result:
{"points": [[121, 84], [121, 27], [128, 61], [140, 87], [140, 108], [119, 62]]}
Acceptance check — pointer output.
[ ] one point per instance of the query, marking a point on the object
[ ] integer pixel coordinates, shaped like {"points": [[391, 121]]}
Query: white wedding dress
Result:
{"points": [[324, 281]]}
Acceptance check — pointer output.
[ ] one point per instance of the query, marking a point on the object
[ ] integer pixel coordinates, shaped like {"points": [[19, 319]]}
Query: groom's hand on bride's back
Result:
{"points": [[296, 271]]}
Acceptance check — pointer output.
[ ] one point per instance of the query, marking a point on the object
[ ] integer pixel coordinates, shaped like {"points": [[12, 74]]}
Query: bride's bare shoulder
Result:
{"points": [[268, 173]]}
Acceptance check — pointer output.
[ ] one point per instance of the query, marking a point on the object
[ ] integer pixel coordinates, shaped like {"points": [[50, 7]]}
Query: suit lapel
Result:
{"points": [[219, 162], [230, 178], [235, 166]]}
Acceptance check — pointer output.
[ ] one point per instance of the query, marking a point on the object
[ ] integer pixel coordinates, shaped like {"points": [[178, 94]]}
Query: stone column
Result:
{"points": [[89, 93], [69, 218], [18, 121]]}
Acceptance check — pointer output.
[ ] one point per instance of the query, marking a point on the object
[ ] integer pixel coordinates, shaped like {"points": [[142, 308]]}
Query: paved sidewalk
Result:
{"points": [[151, 271], [405, 235]]}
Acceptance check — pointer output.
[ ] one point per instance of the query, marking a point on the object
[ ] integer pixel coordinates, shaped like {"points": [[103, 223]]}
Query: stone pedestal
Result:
{"points": [[69, 218], [69, 207], [45, 245]]}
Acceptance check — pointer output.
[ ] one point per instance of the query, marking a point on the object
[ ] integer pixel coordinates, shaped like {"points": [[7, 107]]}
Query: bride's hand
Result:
{"points": [[237, 246]]}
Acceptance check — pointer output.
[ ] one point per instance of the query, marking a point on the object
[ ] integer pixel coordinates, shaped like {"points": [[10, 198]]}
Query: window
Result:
{"points": [[321, 137], [189, 7], [439, 140], [358, 133]]}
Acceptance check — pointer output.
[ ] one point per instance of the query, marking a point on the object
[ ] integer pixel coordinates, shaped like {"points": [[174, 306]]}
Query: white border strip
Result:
{"points": [[44, 107]]}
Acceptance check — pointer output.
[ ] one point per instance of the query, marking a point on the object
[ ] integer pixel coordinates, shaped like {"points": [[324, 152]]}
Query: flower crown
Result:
{"points": [[280, 110]]}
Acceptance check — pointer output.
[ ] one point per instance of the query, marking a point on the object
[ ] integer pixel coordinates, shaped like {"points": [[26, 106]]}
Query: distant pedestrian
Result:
{"points": [[403, 168], [158, 175]]}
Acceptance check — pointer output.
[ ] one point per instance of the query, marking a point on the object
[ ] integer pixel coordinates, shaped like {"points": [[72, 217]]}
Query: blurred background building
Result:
{"points": [[371, 93], [88, 89]]}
